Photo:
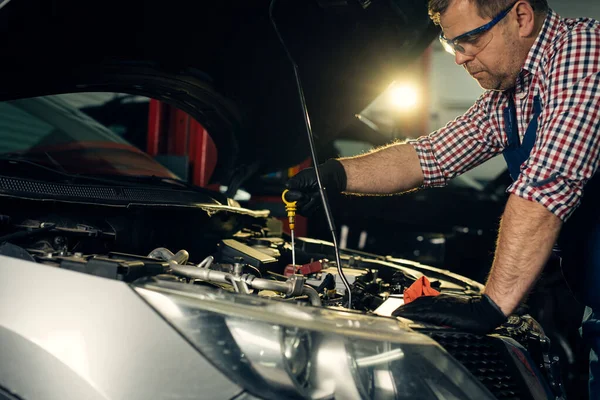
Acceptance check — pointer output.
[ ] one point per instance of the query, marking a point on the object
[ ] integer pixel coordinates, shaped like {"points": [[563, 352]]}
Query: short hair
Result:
{"points": [[486, 8]]}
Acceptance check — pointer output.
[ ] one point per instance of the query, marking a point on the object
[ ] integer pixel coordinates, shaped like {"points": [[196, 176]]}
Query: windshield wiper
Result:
{"points": [[33, 161], [55, 163], [30, 159], [59, 170]]}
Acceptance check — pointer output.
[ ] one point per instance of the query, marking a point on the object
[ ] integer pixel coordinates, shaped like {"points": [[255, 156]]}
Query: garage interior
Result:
{"points": [[178, 127]]}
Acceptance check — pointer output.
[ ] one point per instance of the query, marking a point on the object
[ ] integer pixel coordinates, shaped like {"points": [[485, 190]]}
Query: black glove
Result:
{"points": [[303, 187], [477, 314]]}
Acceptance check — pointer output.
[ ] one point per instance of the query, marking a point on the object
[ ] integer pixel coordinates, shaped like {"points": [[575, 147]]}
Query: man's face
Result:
{"points": [[497, 66]]}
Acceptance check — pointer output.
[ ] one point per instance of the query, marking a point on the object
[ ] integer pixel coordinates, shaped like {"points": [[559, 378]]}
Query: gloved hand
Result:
{"points": [[477, 314], [303, 187]]}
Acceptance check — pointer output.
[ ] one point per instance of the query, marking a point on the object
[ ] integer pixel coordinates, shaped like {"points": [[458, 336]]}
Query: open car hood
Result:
{"points": [[220, 61]]}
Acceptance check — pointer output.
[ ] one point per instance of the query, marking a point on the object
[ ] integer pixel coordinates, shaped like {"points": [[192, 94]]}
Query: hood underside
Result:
{"points": [[220, 61]]}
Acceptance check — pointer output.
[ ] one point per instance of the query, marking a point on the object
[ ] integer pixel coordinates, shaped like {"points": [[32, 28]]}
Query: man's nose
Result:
{"points": [[461, 58]]}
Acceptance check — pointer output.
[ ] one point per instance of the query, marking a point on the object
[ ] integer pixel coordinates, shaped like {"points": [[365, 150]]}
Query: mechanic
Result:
{"points": [[540, 109]]}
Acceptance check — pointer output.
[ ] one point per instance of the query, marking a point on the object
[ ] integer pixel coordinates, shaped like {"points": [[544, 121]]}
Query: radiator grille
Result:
{"points": [[487, 359]]}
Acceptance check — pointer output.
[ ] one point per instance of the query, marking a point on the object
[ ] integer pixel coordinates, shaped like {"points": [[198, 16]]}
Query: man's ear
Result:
{"points": [[525, 19]]}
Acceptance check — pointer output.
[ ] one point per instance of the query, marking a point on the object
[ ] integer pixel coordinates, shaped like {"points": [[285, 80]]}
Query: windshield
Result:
{"points": [[49, 131]]}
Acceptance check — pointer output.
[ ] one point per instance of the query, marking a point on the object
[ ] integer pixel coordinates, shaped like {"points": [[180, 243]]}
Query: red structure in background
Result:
{"points": [[173, 132], [156, 131]]}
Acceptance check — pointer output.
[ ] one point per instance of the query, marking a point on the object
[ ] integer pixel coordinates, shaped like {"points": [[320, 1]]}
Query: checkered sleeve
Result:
{"points": [[458, 147], [565, 155]]}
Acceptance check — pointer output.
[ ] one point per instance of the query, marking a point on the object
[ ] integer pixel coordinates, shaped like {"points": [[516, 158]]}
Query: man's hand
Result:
{"points": [[477, 314], [304, 189]]}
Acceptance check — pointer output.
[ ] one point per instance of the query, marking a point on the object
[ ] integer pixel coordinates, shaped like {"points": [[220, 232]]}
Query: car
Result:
{"points": [[121, 281]]}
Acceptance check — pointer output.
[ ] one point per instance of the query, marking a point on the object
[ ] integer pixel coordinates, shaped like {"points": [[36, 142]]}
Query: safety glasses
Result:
{"points": [[474, 41]]}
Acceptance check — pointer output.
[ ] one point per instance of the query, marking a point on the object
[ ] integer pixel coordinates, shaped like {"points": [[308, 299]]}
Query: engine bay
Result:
{"points": [[252, 257], [251, 262]]}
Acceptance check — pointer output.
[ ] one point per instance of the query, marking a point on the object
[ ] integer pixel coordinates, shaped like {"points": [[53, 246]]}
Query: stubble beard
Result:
{"points": [[505, 79], [499, 83], [501, 80]]}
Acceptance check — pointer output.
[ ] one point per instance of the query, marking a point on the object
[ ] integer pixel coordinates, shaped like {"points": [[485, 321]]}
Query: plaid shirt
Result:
{"points": [[563, 68]]}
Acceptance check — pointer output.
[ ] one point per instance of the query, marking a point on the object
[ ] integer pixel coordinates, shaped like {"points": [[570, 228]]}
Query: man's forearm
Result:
{"points": [[391, 169], [528, 232]]}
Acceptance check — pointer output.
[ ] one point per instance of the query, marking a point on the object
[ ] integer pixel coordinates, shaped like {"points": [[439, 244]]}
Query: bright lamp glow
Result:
{"points": [[404, 97]]}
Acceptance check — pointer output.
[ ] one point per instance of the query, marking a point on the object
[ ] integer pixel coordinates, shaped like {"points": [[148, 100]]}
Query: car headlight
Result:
{"points": [[277, 350]]}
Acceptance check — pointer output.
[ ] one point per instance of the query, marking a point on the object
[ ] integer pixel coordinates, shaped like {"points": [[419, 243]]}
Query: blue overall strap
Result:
{"points": [[516, 153]]}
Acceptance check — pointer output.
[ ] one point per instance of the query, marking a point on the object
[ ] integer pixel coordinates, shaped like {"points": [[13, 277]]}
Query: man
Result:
{"points": [[541, 110]]}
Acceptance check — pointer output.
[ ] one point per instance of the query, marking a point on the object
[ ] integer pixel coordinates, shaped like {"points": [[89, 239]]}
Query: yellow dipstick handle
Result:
{"points": [[290, 207]]}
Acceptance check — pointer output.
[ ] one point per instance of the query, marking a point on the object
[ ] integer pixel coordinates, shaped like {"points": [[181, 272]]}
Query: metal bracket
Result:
{"points": [[296, 284]]}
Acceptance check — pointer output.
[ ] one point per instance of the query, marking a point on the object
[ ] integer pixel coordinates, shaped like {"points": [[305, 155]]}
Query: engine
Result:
{"points": [[255, 262], [251, 263]]}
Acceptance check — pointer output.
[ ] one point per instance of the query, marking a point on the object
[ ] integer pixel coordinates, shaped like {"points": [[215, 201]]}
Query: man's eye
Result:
{"points": [[471, 39]]}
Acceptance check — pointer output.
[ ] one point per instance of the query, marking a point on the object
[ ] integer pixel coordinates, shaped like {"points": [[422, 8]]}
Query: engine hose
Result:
{"points": [[312, 294], [203, 274], [207, 262], [161, 253], [210, 275], [266, 284], [181, 257], [284, 287]]}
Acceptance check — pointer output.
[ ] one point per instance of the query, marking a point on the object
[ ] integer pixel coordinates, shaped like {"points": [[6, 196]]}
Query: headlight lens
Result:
{"points": [[277, 350], [296, 352]]}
